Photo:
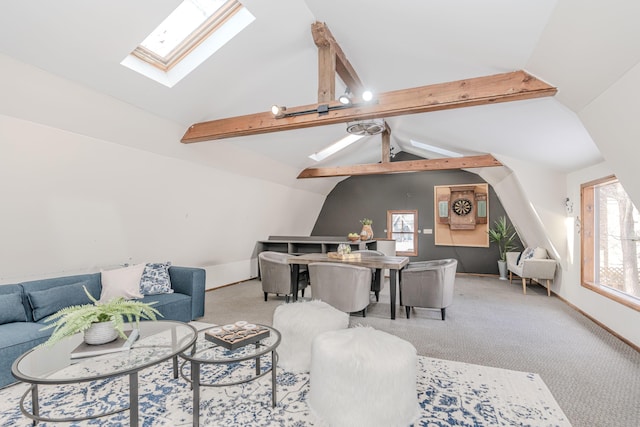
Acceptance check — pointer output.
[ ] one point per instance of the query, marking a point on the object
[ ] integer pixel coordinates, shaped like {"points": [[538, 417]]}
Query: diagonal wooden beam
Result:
{"points": [[513, 86], [405, 166], [325, 41]]}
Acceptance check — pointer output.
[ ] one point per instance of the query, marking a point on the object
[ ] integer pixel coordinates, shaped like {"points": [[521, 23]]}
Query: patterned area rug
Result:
{"points": [[449, 393]]}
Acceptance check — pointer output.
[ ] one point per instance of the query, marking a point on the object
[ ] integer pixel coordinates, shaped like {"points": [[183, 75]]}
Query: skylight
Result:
{"points": [[434, 149], [335, 147], [187, 37]]}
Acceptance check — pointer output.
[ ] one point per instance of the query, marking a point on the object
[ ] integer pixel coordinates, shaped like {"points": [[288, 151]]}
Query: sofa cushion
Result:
{"points": [[171, 306], [46, 302], [155, 279], [11, 308], [16, 339], [122, 282]]}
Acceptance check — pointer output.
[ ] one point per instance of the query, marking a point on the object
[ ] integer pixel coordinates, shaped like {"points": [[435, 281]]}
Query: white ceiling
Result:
{"points": [[391, 44]]}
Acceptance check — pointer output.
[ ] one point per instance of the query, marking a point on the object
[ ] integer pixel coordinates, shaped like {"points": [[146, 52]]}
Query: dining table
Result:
{"points": [[378, 262]]}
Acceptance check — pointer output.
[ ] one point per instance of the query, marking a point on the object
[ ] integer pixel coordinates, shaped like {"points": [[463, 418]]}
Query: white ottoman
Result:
{"points": [[299, 323], [363, 377]]}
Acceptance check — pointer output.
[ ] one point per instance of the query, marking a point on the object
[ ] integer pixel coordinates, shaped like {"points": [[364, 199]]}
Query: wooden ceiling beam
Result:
{"points": [[512, 86], [386, 144], [404, 166], [323, 38]]}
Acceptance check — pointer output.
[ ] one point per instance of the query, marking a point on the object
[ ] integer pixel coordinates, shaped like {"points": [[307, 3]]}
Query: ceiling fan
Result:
{"points": [[366, 127]]}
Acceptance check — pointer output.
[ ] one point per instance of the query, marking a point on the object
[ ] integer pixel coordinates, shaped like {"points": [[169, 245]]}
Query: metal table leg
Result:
{"points": [[134, 414], [295, 270], [257, 360], [195, 378], [273, 378], [392, 285], [35, 405]]}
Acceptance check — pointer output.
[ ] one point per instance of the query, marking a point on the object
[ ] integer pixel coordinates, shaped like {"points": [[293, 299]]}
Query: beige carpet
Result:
{"points": [[594, 377]]}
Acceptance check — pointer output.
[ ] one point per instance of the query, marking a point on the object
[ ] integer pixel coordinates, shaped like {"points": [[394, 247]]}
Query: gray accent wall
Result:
{"points": [[371, 196]]}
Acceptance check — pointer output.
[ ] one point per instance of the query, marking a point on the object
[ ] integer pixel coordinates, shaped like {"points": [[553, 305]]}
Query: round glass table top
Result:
{"points": [[158, 341]]}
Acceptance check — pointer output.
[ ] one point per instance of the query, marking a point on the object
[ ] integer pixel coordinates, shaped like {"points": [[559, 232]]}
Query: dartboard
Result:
{"points": [[461, 207]]}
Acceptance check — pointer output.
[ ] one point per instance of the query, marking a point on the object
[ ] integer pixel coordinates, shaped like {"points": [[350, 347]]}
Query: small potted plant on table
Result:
{"points": [[367, 231], [100, 322]]}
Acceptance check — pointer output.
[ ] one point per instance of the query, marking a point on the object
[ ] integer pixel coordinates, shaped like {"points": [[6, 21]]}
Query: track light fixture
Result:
{"points": [[278, 111], [346, 97], [346, 101]]}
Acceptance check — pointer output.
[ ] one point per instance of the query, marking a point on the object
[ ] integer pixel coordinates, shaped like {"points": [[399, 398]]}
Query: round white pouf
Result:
{"points": [[363, 377], [299, 323]]}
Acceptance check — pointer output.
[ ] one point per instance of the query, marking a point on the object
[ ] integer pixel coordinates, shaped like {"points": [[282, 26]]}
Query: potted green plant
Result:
{"points": [[107, 318], [504, 235]]}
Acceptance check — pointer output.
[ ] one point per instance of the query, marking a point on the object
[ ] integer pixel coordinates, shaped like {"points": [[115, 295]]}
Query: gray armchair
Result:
{"points": [[428, 284], [275, 273], [343, 286], [377, 278]]}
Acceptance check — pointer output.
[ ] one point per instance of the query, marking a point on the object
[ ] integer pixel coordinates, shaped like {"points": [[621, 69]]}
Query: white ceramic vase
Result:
{"points": [[502, 268], [100, 333]]}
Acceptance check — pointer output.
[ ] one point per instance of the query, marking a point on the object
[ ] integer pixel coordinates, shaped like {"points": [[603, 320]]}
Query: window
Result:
{"points": [[402, 226], [187, 37], [610, 237]]}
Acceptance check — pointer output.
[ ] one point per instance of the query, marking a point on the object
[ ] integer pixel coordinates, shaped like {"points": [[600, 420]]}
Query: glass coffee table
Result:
{"points": [[159, 341], [229, 367]]}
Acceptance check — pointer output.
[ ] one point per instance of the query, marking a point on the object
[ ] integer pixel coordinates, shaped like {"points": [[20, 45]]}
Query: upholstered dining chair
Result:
{"points": [[275, 274], [343, 286], [377, 280], [428, 284]]}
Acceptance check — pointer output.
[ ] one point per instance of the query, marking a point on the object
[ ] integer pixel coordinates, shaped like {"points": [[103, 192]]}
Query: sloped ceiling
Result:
{"points": [[579, 46]]}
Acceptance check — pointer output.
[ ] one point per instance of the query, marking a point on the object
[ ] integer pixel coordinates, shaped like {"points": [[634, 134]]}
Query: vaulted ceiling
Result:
{"points": [[393, 45]]}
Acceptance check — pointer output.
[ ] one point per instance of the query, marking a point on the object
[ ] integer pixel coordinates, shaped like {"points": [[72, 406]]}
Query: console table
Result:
{"points": [[310, 244]]}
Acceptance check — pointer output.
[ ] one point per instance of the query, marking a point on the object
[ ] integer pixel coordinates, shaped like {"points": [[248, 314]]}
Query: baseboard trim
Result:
{"points": [[605, 327], [478, 274], [230, 284]]}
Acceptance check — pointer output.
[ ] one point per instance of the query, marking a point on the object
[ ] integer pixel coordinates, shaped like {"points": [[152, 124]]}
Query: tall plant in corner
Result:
{"points": [[505, 236]]}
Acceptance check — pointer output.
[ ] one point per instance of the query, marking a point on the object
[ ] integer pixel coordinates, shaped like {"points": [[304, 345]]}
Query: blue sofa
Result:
{"points": [[24, 306]]}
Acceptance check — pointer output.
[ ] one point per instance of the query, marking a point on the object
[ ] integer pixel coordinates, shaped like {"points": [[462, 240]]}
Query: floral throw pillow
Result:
{"points": [[155, 279], [526, 254]]}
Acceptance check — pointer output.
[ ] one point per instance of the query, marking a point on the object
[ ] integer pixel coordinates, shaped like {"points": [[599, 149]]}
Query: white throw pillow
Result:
{"points": [[121, 282], [540, 253]]}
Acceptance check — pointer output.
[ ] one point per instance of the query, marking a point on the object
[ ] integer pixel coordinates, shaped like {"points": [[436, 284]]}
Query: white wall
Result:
{"points": [[87, 182], [73, 204], [619, 318], [534, 200]]}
